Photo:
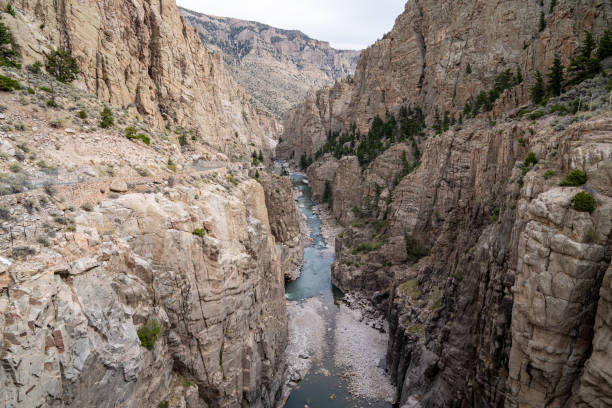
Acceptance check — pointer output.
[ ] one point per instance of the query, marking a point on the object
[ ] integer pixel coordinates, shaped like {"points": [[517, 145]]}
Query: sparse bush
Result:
{"points": [[8, 84], [536, 115], [530, 160], [31, 91], [35, 68], [52, 104], [584, 202], [10, 10], [164, 404], [61, 65], [200, 232], [15, 167], [87, 207], [57, 123], [575, 178], [82, 115], [590, 236], [46, 89], [107, 120], [149, 333], [232, 180], [366, 247], [171, 164], [130, 133]]}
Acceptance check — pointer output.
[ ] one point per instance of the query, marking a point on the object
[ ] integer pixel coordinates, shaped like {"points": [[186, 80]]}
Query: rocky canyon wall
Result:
{"points": [[143, 56], [423, 61], [495, 286], [71, 308]]}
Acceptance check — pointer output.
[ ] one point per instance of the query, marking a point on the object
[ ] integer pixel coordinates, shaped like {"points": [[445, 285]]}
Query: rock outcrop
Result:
{"points": [[145, 58], [276, 66], [284, 222], [423, 61], [194, 258]]}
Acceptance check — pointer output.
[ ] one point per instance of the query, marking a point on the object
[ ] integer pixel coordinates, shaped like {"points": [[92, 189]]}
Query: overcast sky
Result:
{"points": [[346, 24]]}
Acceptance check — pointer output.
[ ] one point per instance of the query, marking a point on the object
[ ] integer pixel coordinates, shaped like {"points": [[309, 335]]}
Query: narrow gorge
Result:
{"points": [[201, 211]]}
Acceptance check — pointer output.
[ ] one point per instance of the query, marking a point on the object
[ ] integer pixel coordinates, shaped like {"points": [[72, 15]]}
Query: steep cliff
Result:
{"points": [[276, 66], [143, 57], [438, 56], [493, 277]]}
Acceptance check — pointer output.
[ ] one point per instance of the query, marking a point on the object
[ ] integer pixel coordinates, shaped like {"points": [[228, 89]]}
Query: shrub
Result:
{"points": [[536, 115], [15, 167], [8, 84], [149, 333], [107, 120], [35, 68], [530, 160], [232, 180], [182, 139], [584, 202], [52, 104], [559, 108], [130, 133], [46, 89], [366, 247], [164, 404], [549, 173], [31, 91], [87, 207], [56, 123], [200, 232], [10, 10], [574, 178], [82, 115], [171, 165], [62, 66]]}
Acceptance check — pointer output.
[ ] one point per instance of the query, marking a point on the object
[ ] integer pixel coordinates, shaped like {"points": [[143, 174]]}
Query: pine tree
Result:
{"points": [[553, 3], [584, 65], [542, 21], [107, 119], [518, 78], [555, 77], [62, 66], [260, 157], [604, 50], [538, 91], [468, 69]]}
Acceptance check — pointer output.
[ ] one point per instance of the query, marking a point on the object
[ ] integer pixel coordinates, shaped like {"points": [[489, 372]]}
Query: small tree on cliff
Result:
{"points": [[327, 193], [542, 21], [538, 91], [555, 77], [62, 66]]}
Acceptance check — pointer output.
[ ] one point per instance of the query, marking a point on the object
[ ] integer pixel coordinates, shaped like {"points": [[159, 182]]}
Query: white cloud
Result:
{"points": [[344, 23]]}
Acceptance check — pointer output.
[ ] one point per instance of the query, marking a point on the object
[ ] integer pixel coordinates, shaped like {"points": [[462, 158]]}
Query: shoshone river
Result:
{"points": [[345, 355]]}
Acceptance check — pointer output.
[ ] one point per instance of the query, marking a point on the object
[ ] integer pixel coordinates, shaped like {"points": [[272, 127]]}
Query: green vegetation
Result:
{"points": [[171, 165], [411, 288], [10, 10], [130, 133], [366, 247], [87, 207], [549, 173], [538, 91], [107, 120], [8, 55], [555, 77], [457, 276], [149, 333], [468, 69], [31, 91], [585, 64], [82, 115], [200, 232], [574, 178], [164, 404], [257, 158], [35, 68], [46, 89], [232, 180], [60, 64], [485, 100], [542, 22], [553, 3], [8, 84], [584, 202], [52, 104], [530, 160]]}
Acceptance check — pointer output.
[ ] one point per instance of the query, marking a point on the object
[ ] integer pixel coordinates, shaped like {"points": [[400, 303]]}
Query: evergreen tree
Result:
{"points": [[538, 91], [555, 77], [468, 69], [553, 3], [584, 65], [260, 157], [107, 119], [518, 78], [62, 66], [604, 50], [327, 193], [542, 21]]}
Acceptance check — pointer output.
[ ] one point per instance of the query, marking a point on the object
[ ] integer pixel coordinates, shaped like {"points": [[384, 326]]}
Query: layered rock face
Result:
{"points": [[284, 222], [145, 58], [276, 66], [424, 61], [71, 306]]}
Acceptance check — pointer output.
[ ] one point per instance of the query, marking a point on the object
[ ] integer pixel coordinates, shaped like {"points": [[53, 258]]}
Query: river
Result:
{"points": [[346, 355]]}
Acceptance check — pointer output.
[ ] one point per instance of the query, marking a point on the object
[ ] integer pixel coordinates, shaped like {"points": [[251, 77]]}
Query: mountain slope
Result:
{"points": [[276, 66]]}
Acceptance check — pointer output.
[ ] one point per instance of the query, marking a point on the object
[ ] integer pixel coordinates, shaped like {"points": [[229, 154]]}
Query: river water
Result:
{"points": [[327, 383]]}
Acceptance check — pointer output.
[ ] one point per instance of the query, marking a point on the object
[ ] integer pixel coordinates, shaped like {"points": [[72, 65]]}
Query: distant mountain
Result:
{"points": [[276, 66]]}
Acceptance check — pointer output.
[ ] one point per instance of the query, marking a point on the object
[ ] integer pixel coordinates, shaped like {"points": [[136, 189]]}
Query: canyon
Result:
{"points": [[167, 241]]}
